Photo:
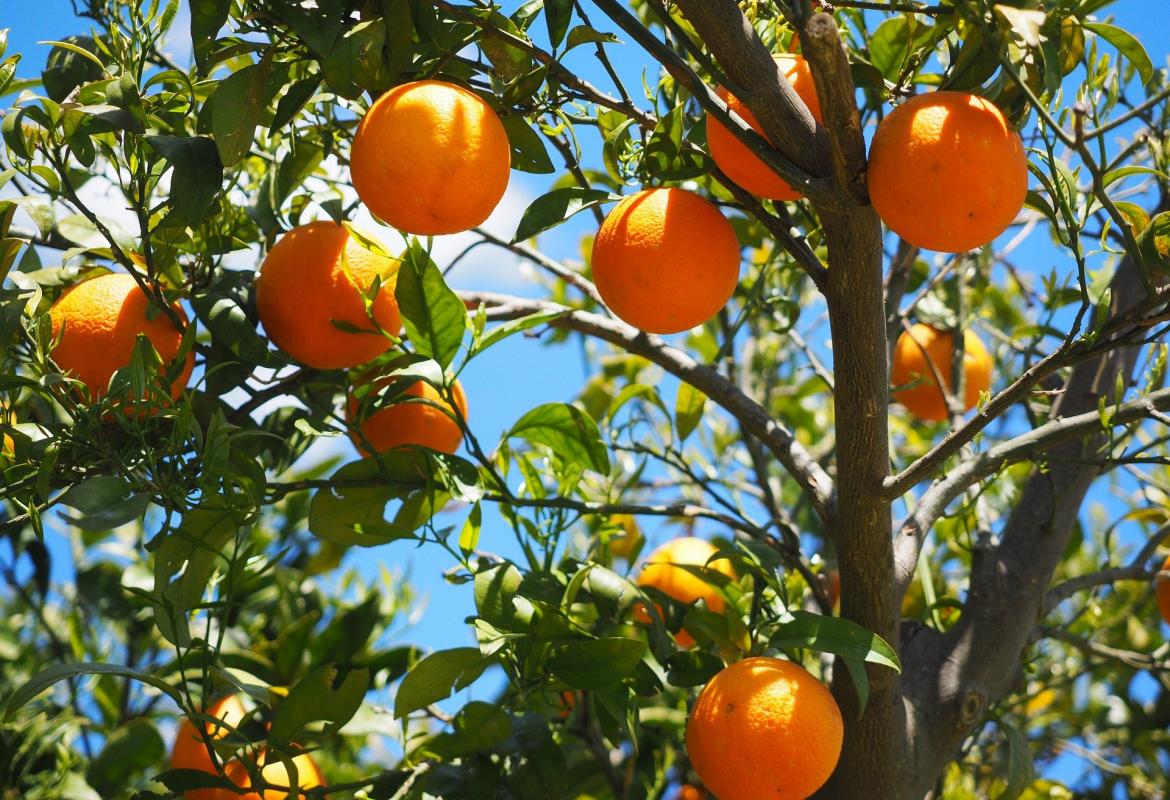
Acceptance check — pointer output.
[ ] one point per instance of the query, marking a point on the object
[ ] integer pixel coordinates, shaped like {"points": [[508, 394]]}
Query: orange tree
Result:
{"points": [[972, 573]]}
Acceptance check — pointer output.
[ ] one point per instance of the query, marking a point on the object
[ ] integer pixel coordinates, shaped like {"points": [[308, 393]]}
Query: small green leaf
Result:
{"points": [[550, 210], [433, 315], [503, 331], [689, 407], [569, 432], [197, 175], [313, 698], [129, 749], [436, 676], [469, 536], [207, 17], [528, 151], [583, 34], [1128, 45], [1020, 768], [557, 15], [477, 727], [596, 663]]}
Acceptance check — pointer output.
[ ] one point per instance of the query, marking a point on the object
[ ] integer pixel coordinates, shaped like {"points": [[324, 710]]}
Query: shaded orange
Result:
{"points": [[430, 157], [947, 171], [191, 752], [764, 729], [1162, 591], [98, 322], [665, 260], [662, 571], [406, 422], [275, 773], [317, 274], [924, 399], [688, 792], [736, 159]]}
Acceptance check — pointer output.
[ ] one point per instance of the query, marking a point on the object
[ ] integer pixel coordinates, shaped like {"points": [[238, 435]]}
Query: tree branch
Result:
{"points": [[812, 479]]}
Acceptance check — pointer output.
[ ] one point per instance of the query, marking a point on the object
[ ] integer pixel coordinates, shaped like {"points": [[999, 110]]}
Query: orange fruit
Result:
{"points": [[430, 157], [1162, 590], [409, 422], [923, 398], [947, 171], [662, 571], [98, 322], [764, 729], [275, 773], [688, 792], [190, 751], [665, 260], [733, 156], [315, 275]]}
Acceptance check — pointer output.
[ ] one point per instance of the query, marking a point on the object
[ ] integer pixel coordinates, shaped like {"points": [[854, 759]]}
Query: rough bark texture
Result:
{"points": [[952, 680]]}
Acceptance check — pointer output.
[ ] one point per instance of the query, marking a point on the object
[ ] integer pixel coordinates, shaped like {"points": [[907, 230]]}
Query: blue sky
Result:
{"points": [[511, 378]]}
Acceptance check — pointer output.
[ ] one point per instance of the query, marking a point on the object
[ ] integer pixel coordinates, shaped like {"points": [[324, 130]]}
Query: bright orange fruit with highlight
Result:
{"points": [[733, 156], [315, 275], [410, 422], [98, 322], [1162, 590], [430, 157], [664, 571], [947, 171], [764, 729], [688, 792], [923, 398], [276, 774], [665, 260]]}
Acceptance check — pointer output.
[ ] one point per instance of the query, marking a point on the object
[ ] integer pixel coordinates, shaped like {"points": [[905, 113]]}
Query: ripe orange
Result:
{"points": [[665, 260], [275, 773], [430, 157], [315, 275], [191, 752], [924, 399], [1162, 590], [947, 171], [409, 422], [688, 792], [662, 571], [733, 156], [764, 729], [101, 319]]}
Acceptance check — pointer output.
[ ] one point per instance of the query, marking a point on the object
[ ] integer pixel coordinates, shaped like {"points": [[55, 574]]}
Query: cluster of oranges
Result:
{"points": [[762, 727]]}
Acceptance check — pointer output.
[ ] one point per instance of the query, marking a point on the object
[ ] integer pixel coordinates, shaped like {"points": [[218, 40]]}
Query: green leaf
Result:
{"points": [[569, 432], [1154, 243], [94, 494], [550, 210], [583, 34], [1021, 770], [197, 174], [349, 514], [503, 331], [835, 635], [1128, 45], [113, 515], [477, 727], [194, 547], [688, 668], [55, 674], [207, 17], [356, 63], [557, 15], [129, 749], [689, 407], [436, 676], [433, 315], [889, 45], [494, 589], [596, 663], [236, 108], [469, 536], [313, 698], [528, 151]]}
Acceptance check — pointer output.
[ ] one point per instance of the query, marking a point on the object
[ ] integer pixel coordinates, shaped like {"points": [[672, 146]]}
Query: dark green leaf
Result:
{"points": [[207, 17], [835, 635], [596, 663], [550, 210], [129, 749], [433, 315], [557, 15], [197, 176], [528, 152], [236, 108], [477, 727]]}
